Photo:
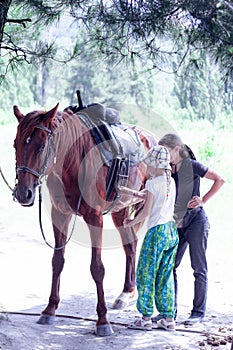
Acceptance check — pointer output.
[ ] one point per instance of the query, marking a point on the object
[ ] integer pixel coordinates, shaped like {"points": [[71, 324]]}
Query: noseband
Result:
{"points": [[37, 174], [25, 169]]}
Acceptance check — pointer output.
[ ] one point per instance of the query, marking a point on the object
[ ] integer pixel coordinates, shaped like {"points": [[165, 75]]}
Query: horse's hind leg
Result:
{"points": [[60, 227], [129, 242]]}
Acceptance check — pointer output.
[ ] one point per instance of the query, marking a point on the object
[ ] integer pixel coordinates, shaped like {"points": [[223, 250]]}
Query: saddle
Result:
{"points": [[114, 139], [119, 145]]}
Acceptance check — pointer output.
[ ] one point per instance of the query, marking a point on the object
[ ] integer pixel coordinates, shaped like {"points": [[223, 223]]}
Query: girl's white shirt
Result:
{"points": [[162, 210]]}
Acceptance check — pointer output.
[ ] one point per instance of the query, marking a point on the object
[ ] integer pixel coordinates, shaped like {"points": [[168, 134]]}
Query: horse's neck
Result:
{"points": [[68, 134]]}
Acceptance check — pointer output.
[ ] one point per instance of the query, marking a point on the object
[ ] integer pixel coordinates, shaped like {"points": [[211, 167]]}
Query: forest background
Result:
{"points": [[167, 66]]}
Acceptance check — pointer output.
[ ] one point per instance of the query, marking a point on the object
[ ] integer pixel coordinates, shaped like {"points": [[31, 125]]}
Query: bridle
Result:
{"points": [[39, 175]]}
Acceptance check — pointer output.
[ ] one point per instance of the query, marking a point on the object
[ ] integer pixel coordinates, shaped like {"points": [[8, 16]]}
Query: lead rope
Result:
{"points": [[77, 210], [4, 179]]}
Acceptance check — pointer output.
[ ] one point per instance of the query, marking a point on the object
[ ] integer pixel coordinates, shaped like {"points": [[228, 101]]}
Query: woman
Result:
{"points": [[155, 281], [191, 219]]}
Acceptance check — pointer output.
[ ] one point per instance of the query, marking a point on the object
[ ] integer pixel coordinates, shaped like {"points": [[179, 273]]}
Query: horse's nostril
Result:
{"points": [[29, 194]]}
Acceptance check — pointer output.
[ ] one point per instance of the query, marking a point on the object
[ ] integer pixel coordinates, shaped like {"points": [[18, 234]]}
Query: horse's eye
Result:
{"points": [[42, 147], [28, 139]]}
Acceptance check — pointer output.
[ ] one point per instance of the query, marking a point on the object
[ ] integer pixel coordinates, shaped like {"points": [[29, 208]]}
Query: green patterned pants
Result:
{"points": [[155, 281]]}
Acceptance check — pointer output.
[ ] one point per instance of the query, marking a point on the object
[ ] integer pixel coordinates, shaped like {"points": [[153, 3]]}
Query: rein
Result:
{"points": [[77, 210], [41, 226]]}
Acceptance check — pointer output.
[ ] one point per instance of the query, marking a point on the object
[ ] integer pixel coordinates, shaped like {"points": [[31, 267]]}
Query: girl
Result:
{"points": [[155, 281]]}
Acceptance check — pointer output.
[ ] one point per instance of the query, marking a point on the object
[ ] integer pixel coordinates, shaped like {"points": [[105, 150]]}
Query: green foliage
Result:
{"points": [[15, 90], [201, 92], [124, 30], [161, 32], [23, 40], [197, 93], [211, 150]]}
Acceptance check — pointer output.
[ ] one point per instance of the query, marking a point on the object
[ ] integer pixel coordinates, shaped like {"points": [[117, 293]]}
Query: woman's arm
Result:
{"points": [[218, 182]]}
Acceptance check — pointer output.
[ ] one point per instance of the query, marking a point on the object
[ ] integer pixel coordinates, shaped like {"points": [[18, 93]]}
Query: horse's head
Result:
{"points": [[33, 151]]}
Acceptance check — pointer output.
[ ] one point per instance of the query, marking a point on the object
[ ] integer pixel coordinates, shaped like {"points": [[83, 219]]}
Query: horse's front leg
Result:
{"points": [[60, 227], [103, 328], [129, 242]]}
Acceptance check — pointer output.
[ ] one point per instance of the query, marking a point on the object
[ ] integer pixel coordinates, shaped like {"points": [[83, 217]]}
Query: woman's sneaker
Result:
{"points": [[193, 319]]}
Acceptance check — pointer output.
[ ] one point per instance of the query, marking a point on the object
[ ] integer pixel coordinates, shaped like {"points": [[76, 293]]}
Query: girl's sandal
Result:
{"points": [[167, 325], [141, 324]]}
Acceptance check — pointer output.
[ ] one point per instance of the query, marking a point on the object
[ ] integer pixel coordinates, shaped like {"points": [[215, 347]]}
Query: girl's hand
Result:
{"points": [[128, 222], [195, 202]]}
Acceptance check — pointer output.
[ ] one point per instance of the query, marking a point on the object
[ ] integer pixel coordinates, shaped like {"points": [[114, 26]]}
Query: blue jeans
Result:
{"points": [[194, 233]]}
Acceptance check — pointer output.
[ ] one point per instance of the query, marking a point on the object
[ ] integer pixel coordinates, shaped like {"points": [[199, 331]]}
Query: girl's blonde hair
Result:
{"points": [[168, 177]]}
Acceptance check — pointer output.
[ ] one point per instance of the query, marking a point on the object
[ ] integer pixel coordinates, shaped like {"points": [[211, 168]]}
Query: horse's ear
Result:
{"points": [[50, 114], [17, 113]]}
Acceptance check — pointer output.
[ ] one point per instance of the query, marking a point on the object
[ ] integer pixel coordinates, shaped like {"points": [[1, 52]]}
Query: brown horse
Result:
{"points": [[60, 146]]}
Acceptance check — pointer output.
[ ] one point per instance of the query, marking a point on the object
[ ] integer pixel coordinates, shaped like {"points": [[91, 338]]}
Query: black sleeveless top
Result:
{"points": [[187, 180]]}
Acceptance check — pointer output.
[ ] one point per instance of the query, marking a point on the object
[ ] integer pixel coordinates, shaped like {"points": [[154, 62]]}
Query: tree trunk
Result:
{"points": [[4, 7]]}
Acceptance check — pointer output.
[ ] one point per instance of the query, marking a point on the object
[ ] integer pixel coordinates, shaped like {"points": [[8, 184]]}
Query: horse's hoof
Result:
{"points": [[122, 300], [119, 304], [104, 330], [46, 319]]}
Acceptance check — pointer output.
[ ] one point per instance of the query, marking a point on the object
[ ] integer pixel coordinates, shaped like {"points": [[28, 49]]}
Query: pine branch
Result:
{"points": [[19, 21]]}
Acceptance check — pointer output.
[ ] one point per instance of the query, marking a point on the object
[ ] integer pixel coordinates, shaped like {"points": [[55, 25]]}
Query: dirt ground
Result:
{"points": [[25, 277]]}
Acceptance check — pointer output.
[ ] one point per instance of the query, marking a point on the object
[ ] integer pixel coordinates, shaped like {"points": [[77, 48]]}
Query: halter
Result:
{"points": [[37, 174]]}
